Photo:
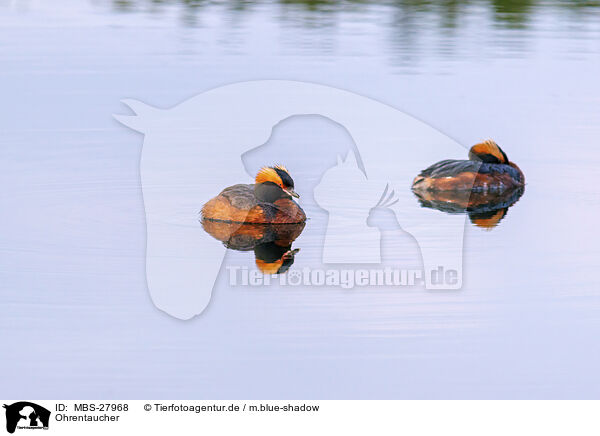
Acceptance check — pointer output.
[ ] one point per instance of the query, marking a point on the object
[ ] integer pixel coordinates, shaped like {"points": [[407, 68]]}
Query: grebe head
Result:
{"points": [[488, 152], [273, 183], [272, 258]]}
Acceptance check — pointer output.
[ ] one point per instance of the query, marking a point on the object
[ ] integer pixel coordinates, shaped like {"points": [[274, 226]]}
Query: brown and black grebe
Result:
{"points": [[268, 201], [488, 170]]}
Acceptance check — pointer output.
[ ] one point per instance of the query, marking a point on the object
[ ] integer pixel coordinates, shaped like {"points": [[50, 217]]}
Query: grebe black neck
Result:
{"points": [[272, 258], [269, 192]]}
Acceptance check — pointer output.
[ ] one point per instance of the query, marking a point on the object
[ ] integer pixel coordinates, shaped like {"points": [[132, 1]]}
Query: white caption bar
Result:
{"points": [[301, 417]]}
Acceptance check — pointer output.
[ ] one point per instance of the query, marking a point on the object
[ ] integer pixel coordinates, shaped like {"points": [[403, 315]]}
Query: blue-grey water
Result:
{"points": [[77, 319]]}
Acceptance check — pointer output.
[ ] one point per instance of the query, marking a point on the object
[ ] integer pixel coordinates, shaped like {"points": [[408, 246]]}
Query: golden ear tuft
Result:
{"points": [[269, 267], [489, 152], [268, 174]]}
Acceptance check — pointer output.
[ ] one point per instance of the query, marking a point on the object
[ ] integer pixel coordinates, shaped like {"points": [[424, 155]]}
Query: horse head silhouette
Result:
{"points": [[193, 150]]}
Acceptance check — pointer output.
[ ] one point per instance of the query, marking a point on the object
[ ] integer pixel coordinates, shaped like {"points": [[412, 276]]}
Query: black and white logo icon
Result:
{"points": [[26, 415]]}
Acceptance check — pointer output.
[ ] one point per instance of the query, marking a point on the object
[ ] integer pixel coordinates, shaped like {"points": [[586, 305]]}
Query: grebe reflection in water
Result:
{"points": [[485, 210], [271, 243]]}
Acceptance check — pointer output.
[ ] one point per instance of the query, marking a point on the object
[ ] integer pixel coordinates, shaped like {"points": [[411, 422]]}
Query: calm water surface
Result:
{"points": [[77, 318]]}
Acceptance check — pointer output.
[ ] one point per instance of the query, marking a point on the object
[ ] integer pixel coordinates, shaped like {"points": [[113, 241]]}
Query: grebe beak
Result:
{"points": [[290, 253], [291, 192]]}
